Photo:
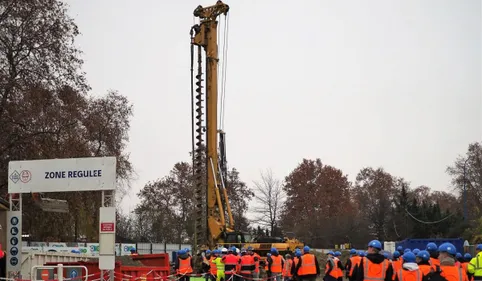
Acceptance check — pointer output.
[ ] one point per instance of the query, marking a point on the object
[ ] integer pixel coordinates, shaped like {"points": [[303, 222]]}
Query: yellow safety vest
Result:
{"points": [[475, 265], [219, 264]]}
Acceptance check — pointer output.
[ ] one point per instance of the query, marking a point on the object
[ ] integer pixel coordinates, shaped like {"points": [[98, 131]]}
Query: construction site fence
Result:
{"points": [[122, 249]]}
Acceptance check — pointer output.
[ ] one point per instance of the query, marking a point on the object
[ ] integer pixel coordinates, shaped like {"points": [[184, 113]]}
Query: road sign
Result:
{"points": [[45, 274], [62, 175], [14, 241]]}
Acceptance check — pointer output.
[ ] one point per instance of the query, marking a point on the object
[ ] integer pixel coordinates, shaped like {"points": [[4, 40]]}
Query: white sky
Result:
{"points": [[356, 83]]}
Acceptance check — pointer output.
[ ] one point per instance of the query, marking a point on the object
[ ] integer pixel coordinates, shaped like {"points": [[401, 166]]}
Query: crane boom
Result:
{"points": [[205, 37], [214, 219]]}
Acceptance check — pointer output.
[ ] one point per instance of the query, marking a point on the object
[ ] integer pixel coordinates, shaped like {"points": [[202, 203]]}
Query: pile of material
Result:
{"points": [[128, 261]]}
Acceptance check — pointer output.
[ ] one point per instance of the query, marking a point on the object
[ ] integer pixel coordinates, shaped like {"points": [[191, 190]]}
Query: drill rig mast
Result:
{"points": [[212, 202]]}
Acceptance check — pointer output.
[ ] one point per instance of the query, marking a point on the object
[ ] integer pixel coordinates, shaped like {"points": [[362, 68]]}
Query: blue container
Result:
{"points": [[174, 256], [422, 243]]}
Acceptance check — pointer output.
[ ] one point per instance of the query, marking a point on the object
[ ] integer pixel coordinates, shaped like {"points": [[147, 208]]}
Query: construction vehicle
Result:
{"points": [[214, 218]]}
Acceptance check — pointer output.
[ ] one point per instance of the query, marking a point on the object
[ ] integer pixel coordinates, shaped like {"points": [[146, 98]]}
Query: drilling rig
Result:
{"points": [[214, 224]]}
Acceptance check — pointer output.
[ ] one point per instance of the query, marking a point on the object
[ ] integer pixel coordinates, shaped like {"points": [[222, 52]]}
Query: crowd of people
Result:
{"points": [[442, 263]]}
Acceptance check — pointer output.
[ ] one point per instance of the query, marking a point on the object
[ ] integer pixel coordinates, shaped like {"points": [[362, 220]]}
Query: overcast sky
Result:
{"points": [[374, 83]]}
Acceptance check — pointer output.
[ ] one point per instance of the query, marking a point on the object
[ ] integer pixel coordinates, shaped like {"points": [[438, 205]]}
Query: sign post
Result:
{"points": [[59, 175]]}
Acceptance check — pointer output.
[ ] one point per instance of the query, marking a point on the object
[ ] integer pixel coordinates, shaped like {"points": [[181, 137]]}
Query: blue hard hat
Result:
{"points": [[432, 247], [385, 254], [250, 248], [375, 244], [187, 250], [232, 249], [409, 257], [407, 250], [298, 253], [479, 247], [361, 253], [274, 250], [268, 255], [396, 254], [352, 252], [216, 252], [337, 253], [424, 255], [133, 249], [181, 252], [306, 249], [458, 256], [467, 256], [448, 248], [331, 253], [208, 252], [400, 248], [415, 251]]}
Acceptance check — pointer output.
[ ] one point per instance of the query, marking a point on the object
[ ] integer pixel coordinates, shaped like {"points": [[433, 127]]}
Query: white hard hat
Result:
{"points": [[237, 250], [224, 250]]}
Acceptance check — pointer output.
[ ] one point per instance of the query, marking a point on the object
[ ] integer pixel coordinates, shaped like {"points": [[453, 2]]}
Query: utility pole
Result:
{"points": [[465, 190]]}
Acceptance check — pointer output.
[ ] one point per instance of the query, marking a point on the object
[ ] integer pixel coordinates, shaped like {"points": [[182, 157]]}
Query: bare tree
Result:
{"points": [[268, 192]]}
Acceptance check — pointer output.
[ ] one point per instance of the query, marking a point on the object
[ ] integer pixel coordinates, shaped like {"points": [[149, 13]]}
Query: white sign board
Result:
{"points": [[61, 175]]}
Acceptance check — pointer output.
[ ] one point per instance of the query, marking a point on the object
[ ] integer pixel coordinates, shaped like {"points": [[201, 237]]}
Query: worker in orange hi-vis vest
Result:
{"points": [[374, 266], [397, 262], [296, 260], [308, 268], [256, 259], [331, 267], [231, 262], [275, 265], [447, 270], [423, 258], [247, 264], [351, 263], [432, 249], [184, 265], [339, 265], [465, 263], [410, 270], [287, 272]]}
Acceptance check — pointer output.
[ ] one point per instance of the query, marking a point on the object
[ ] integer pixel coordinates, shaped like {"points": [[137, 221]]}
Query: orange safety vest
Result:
{"points": [[185, 266], [308, 265], [230, 263], [434, 262], [276, 265], [464, 267], [355, 261], [213, 268], [396, 265], [406, 275], [373, 271], [287, 268], [247, 264], [334, 271], [339, 271], [452, 273], [424, 268], [256, 264]]}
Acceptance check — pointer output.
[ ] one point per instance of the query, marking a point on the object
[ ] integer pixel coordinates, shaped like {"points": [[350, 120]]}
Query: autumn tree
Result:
{"points": [[269, 195], [374, 190], [45, 111], [317, 196], [466, 173], [167, 206]]}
